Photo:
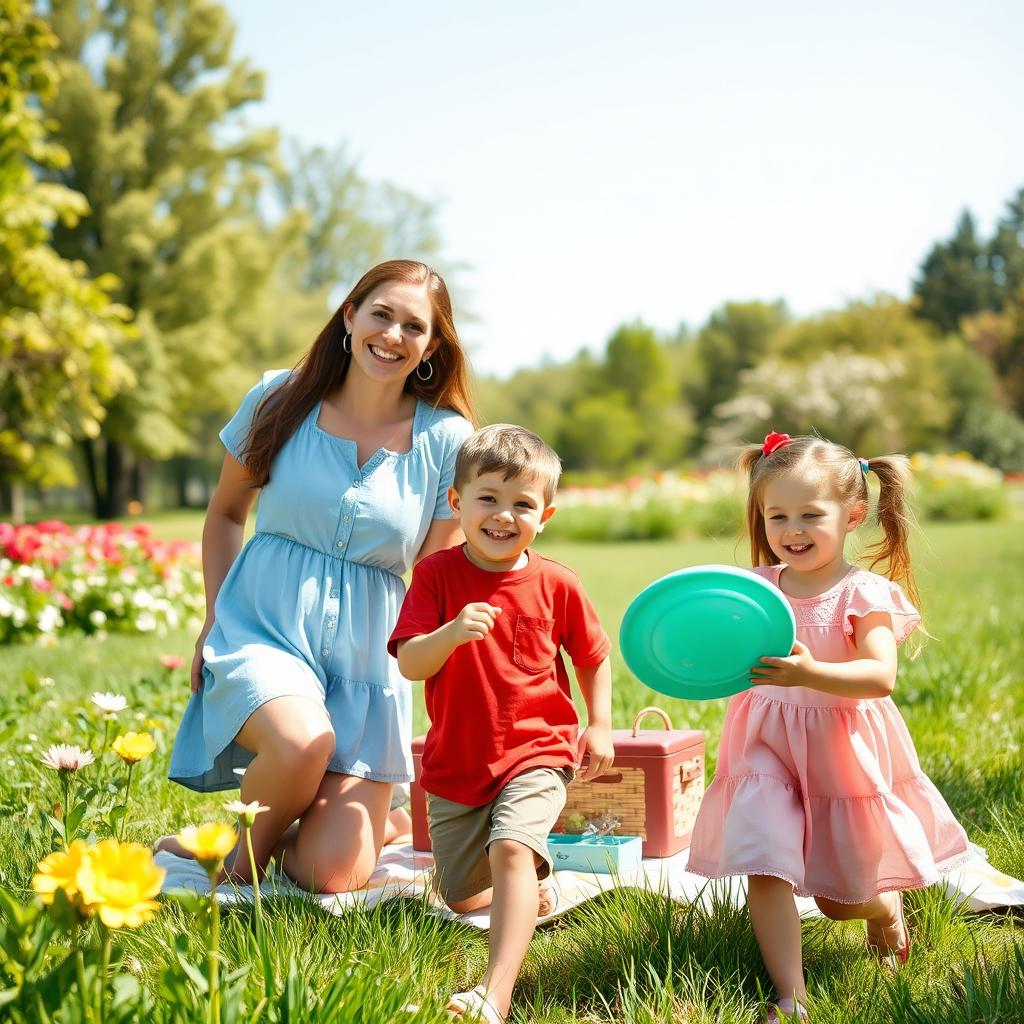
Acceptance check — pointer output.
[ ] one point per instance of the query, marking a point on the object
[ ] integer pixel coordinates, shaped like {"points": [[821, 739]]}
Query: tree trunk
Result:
{"points": [[91, 468], [181, 480], [117, 481], [17, 502], [140, 479]]}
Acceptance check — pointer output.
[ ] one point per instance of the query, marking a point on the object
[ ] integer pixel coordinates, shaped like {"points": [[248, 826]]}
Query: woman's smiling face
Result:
{"points": [[391, 331]]}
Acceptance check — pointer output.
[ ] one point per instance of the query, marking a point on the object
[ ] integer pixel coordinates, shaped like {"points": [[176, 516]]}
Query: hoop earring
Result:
{"points": [[429, 366], [346, 344]]}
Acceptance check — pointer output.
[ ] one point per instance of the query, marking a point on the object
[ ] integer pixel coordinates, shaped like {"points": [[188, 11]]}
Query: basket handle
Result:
{"points": [[651, 711]]}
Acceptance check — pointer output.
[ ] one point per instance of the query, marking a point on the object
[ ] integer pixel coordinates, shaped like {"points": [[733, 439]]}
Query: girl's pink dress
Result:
{"points": [[826, 792]]}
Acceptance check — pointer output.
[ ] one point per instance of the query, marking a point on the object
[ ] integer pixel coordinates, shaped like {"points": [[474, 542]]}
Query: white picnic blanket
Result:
{"points": [[403, 871]]}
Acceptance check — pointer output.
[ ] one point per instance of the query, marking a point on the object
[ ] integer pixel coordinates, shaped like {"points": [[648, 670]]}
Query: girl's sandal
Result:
{"points": [[474, 1006], [785, 1010], [892, 957]]}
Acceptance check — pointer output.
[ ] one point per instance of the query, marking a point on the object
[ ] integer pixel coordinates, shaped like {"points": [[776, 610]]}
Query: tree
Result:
{"points": [[855, 400], [61, 335], [736, 337], [600, 432], [351, 223], [1007, 249], [637, 365], [870, 376], [148, 106], [956, 278], [999, 337]]}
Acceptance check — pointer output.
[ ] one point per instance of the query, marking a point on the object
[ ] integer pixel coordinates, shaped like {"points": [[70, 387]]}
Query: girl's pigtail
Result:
{"points": [[750, 459], [892, 552]]}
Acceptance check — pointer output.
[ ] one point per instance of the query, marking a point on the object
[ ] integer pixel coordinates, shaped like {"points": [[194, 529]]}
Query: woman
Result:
{"points": [[353, 453]]}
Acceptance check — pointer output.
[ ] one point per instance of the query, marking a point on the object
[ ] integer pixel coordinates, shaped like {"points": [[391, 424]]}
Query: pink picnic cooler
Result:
{"points": [[654, 788]]}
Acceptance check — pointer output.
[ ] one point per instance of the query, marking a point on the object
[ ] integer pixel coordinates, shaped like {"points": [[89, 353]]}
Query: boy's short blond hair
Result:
{"points": [[511, 450]]}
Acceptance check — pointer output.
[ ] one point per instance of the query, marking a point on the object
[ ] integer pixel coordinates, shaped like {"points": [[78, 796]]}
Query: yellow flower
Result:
{"points": [[209, 843], [133, 746], [122, 883], [65, 870]]}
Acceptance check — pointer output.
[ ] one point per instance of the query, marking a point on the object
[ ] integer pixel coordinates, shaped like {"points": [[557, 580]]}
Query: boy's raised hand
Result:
{"points": [[474, 622]]}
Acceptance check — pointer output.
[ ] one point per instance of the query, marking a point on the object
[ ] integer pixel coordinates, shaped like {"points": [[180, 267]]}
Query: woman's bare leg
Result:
{"points": [[339, 837], [292, 740]]}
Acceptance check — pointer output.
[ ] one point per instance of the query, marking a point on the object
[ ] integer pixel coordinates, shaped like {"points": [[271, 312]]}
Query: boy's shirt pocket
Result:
{"points": [[533, 647]]}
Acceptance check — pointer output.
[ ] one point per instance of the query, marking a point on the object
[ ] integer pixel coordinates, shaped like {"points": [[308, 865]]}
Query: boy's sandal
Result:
{"points": [[550, 887], [785, 1010], [474, 1006], [893, 958]]}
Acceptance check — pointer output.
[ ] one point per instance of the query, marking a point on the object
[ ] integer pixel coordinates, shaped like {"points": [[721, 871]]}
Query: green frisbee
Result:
{"points": [[697, 633]]}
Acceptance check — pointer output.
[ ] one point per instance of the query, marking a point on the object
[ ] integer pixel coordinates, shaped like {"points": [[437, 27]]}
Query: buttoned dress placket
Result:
{"points": [[347, 512]]}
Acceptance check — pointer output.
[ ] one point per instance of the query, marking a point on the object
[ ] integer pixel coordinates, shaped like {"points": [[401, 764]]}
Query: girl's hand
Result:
{"points": [[196, 680], [798, 669], [595, 740], [474, 622]]}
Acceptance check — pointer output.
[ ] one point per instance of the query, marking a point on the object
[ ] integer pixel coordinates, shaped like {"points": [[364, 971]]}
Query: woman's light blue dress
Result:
{"points": [[307, 607]]}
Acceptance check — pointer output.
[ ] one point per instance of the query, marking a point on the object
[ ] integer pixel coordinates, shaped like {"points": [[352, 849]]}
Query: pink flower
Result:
{"points": [[171, 662], [773, 442], [63, 757]]}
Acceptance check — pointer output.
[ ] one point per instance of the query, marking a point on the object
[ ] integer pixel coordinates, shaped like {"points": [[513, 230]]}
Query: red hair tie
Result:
{"points": [[773, 442]]}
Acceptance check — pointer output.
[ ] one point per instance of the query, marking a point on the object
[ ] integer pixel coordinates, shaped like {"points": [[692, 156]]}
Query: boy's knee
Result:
{"points": [[512, 853]]}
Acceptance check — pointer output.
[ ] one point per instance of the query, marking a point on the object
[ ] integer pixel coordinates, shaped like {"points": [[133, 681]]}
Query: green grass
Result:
{"points": [[628, 956]]}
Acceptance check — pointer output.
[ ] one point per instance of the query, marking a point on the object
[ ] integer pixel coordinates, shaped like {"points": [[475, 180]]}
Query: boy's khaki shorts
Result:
{"points": [[525, 810]]}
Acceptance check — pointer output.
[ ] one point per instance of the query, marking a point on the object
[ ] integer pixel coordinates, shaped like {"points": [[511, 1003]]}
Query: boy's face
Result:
{"points": [[499, 517]]}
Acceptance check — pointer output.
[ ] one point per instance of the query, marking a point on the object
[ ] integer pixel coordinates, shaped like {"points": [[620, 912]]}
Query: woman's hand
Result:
{"points": [[797, 669], [197, 659]]}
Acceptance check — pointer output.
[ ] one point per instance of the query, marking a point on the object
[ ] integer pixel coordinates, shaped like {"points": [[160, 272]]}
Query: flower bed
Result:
{"points": [[946, 487], [58, 579], [957, 488], [663, 505]]}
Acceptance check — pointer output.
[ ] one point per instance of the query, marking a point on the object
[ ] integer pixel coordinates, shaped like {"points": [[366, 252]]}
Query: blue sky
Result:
{"points": [[597, 162]]}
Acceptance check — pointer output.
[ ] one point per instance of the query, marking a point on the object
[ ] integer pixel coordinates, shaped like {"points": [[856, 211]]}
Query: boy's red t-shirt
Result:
{"points": [[500, 705]]}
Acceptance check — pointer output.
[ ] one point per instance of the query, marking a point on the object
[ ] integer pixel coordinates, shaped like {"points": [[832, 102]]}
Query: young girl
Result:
{"points": [[818, 788]]}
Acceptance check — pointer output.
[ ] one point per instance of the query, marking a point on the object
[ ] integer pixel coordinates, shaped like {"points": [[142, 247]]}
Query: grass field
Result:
{"points": [[629, 956]]}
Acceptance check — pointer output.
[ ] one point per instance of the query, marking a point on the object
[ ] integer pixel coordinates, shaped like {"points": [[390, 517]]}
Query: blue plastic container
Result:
{"points": [[606, 855]]}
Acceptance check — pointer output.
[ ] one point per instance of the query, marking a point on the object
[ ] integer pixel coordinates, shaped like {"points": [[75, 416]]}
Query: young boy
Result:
{"points": [[483, 624]]}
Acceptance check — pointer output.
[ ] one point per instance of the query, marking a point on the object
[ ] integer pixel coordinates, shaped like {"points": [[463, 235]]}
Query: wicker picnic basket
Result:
{"points": [[654, 788]]}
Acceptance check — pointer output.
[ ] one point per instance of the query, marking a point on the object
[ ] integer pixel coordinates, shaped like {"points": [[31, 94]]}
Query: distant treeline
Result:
{"points": [[942, 371], [157, 253]]}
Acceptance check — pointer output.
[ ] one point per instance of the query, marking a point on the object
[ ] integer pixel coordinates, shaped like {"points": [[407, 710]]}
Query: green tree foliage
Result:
{"points": [[999, 338], [148, 107], [352, 223], [612, 414], [61, 334], [867, 376], [736, 337], [601, 432], [1007, 248], [968, 274], [956, 279]]}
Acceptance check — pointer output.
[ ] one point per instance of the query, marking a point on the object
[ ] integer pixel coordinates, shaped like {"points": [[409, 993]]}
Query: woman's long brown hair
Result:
{"points": [[323, 368]]}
